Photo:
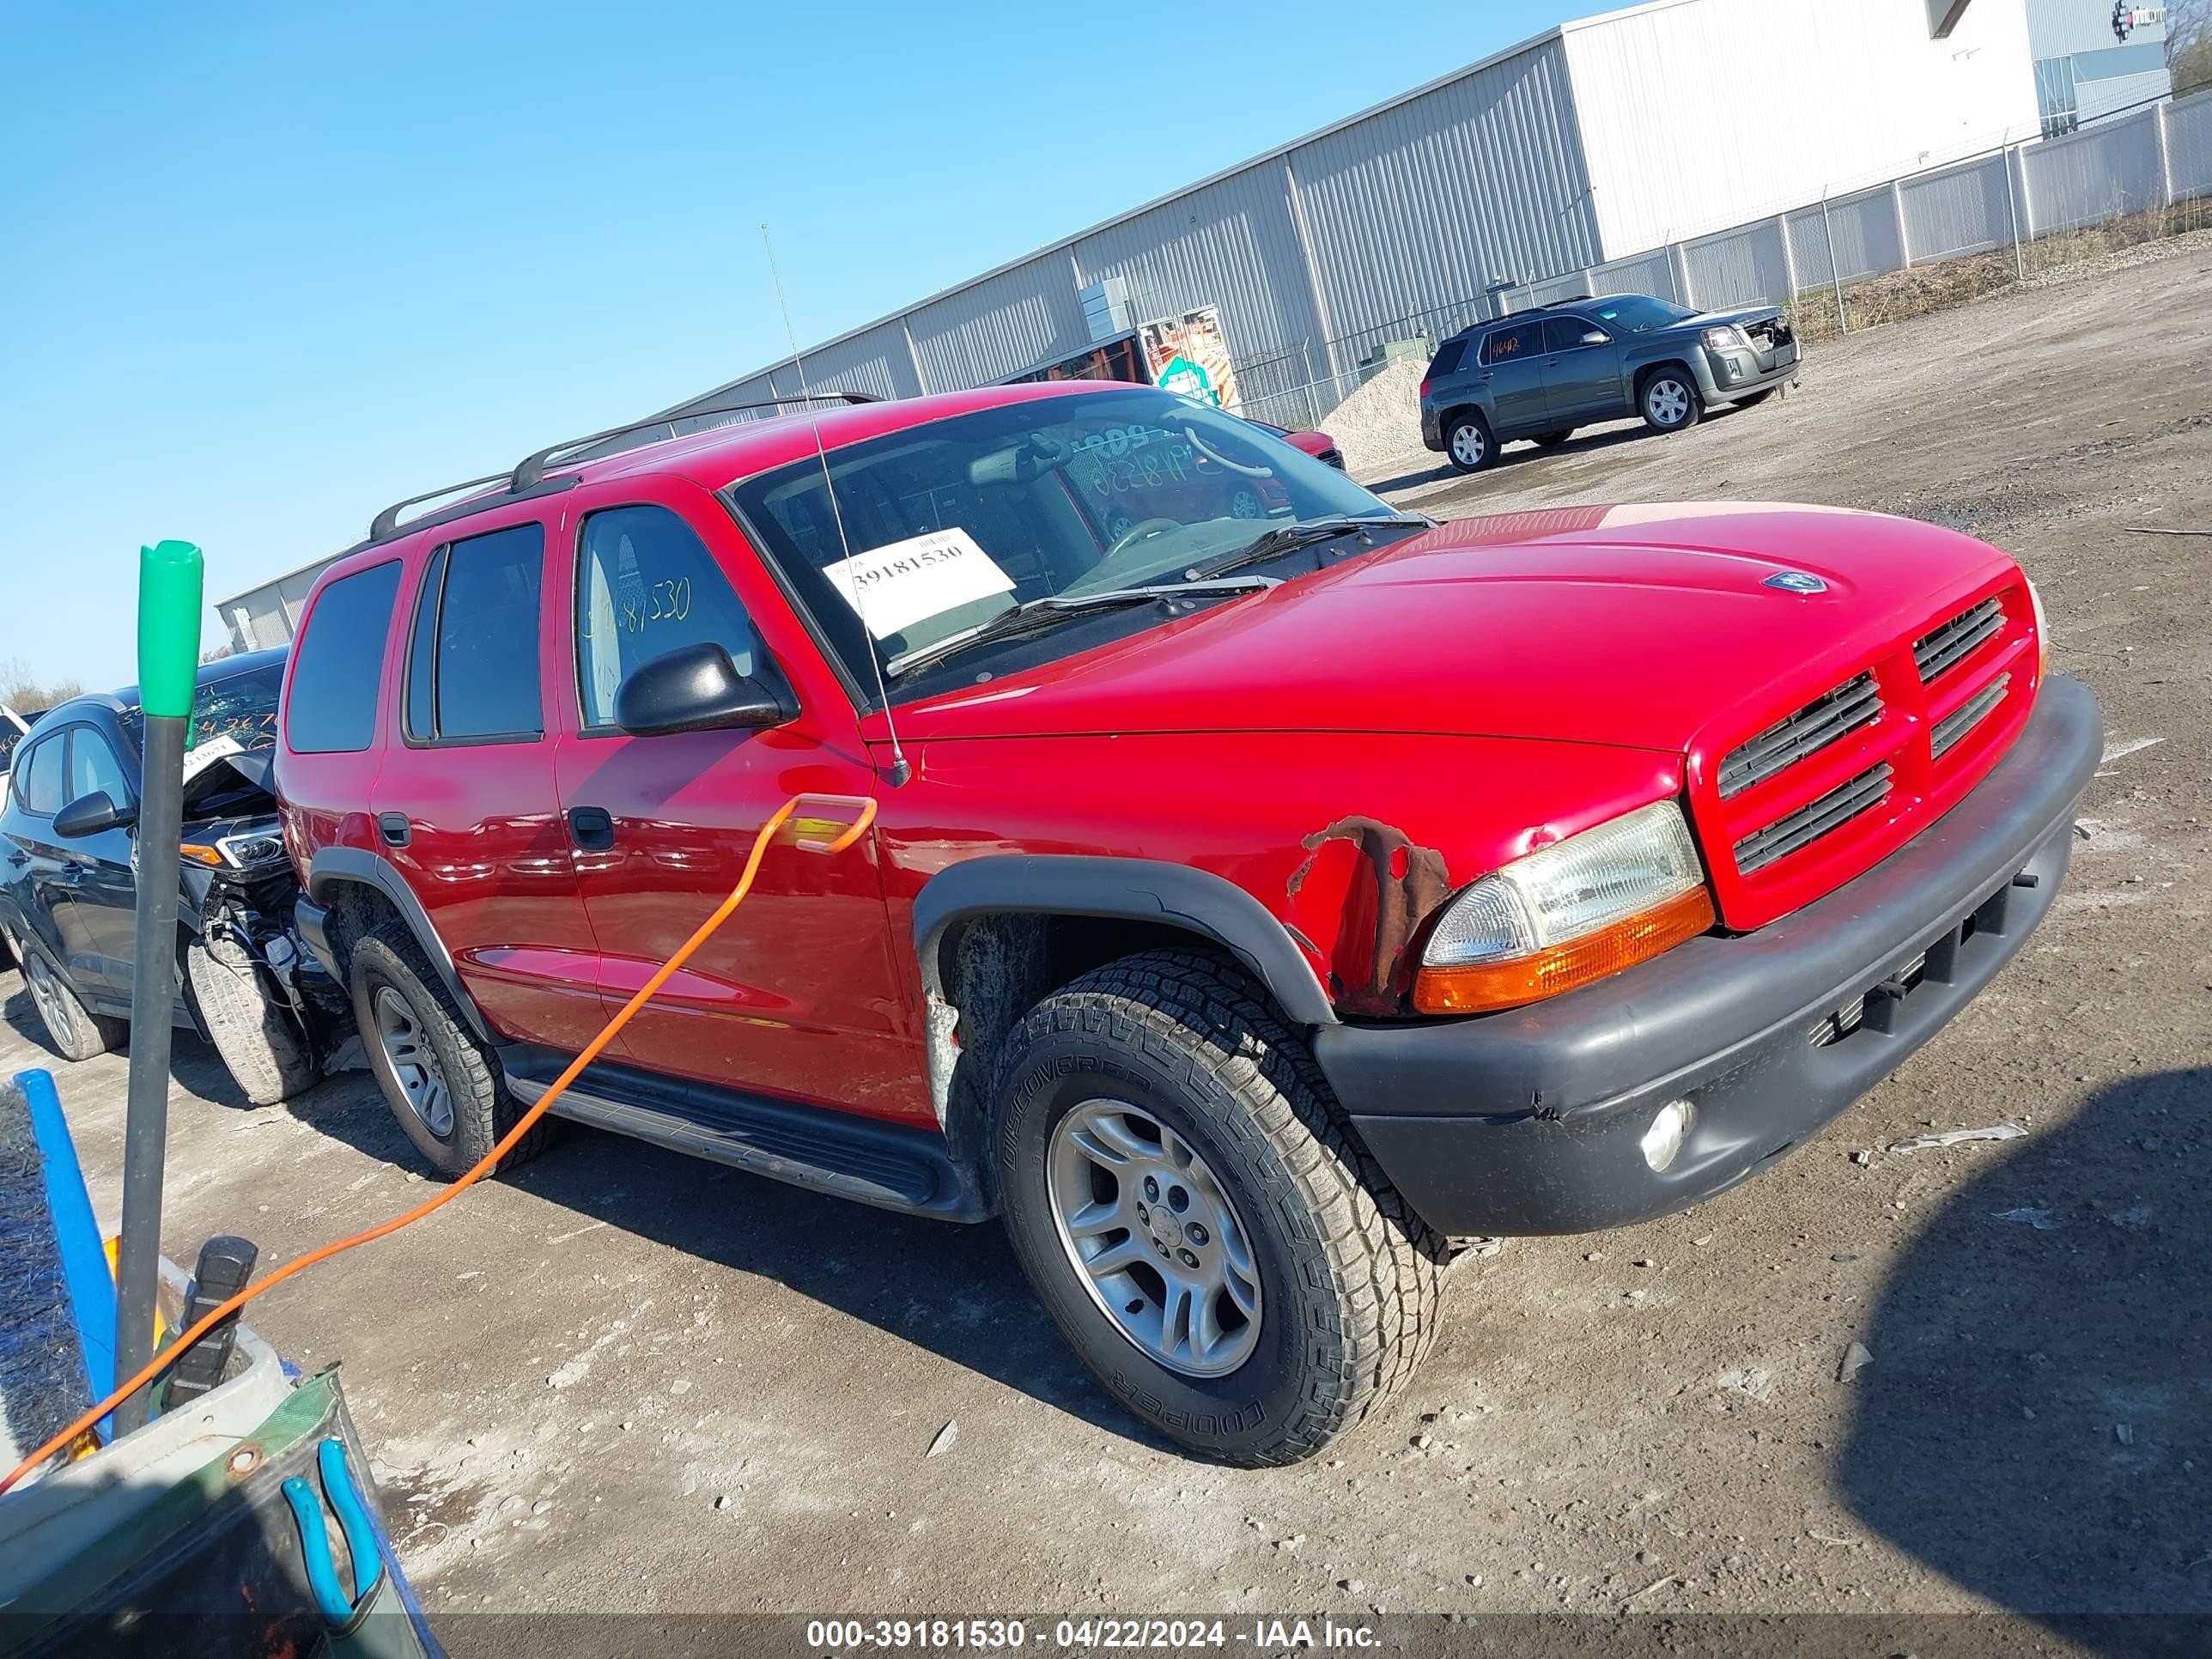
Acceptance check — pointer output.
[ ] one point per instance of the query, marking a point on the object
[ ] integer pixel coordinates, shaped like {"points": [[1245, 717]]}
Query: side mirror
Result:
{"points": [[87, 815], [697, 688], [1597, 336]]}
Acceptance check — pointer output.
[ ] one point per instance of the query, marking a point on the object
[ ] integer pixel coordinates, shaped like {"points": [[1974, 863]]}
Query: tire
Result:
{"points": [[1669, 399], [1467, 443], [1343, 1280], [1553, 439], [1752, 400], [391, 980], [75, 1030], [263, 1050]]}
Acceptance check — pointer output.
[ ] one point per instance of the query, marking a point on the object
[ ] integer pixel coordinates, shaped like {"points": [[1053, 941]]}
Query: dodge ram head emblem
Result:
{"points": [[1795, 581]]}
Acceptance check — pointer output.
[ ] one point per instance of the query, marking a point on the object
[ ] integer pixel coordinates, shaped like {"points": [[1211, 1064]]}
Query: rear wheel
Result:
{"points": [[1197, 1219], [263, 1048], [1467, 443], [75, 1030], [441, 1081], [1670, 402]]}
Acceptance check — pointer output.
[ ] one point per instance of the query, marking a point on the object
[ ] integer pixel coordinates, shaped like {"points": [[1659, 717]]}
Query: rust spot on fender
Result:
{"points": [[1400, 884]]}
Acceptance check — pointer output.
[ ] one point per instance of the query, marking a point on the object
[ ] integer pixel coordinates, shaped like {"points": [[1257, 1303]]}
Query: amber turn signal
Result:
{"points": [[198, 853], [1483, 988]]}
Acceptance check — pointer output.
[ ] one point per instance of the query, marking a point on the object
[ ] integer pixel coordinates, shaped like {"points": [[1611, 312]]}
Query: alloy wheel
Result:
{"points": [[1154, 1238], [54, 1006], [1469, 445], [1668, 401], [414, 1063]]}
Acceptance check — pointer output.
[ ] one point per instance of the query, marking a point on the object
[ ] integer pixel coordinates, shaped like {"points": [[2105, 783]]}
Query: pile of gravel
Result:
{"points": [[1378, 426]]}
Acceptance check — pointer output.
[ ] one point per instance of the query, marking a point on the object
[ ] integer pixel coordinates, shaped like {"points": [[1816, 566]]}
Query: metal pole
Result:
{"points": [[169, 582], [1835, 270], [2012, 212]]}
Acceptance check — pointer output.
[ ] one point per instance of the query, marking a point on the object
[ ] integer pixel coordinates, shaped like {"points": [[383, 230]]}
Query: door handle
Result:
{"points": [[592, 828], [395, 829]]}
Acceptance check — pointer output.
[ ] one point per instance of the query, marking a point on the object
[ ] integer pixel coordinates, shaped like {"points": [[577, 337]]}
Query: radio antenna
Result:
{"points": [[901, 770]]}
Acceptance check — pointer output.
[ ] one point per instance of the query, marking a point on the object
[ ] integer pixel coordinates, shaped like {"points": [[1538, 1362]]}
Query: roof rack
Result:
{"points": [[530, 473]]}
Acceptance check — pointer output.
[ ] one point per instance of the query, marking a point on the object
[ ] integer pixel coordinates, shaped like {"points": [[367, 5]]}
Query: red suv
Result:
{"points": [[1249, 905]]}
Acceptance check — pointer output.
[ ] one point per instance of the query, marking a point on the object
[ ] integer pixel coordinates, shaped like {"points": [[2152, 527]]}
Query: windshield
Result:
{"points": [[238, 705], [1638, 313], [945, 526]]}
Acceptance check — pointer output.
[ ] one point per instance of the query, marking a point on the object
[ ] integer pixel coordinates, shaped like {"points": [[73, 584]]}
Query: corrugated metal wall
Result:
{"points": [[1419, 208], [1000, 325]]}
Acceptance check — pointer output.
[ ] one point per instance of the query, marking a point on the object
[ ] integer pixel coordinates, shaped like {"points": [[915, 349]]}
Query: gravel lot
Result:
{"points": [[623, 1380]]}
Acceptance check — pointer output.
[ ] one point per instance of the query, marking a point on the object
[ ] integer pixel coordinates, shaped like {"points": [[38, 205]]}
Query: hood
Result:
{"points": [[1628, 625]]}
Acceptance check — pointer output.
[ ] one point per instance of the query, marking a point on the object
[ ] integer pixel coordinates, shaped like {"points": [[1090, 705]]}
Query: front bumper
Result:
{"points": [[1528, 1121], [1724, 376]]}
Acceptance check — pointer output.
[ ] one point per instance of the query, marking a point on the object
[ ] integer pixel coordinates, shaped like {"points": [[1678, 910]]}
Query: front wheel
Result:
{"points": [[265, 1052], [1199, 1223], [1670, 401], [1467, 443]]}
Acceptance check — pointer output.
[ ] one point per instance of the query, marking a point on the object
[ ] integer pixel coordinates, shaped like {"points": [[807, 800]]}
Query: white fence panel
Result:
{"points": [[1865, 229], [1959, 210], [1647, 273], [2095, 174], [2189, 144], [1743, 267]]}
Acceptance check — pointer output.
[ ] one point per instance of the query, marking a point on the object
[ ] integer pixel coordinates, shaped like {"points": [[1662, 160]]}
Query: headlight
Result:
{"points": [[1578, 910], [2042, 631], [1727, 337]]}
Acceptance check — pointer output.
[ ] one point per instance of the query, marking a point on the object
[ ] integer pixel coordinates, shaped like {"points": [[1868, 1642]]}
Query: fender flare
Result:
{"points": [[335, 867], [1134, 889]]}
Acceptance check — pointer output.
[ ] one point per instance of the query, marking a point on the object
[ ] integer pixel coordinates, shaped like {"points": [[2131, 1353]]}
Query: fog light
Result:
{"points": [[1670, 1128]]}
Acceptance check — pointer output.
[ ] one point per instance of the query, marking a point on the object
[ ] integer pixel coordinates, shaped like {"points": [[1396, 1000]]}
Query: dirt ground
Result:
{"points": [[623, 1380]]}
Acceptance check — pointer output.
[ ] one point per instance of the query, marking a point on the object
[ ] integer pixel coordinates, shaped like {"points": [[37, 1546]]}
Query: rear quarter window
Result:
{"points": [[338, 666], [1446, 362]]}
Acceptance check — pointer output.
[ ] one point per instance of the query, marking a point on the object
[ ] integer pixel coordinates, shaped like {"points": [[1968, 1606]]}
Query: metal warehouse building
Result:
{"points": [[1553, 164], [1582, 161]]}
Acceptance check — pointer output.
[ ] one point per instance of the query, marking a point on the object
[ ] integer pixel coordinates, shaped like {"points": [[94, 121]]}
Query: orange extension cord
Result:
{"points": [[490, 1160]]}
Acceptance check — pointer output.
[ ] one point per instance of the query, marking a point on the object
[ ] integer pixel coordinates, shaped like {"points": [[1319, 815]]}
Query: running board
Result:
{"points": [[890, 1165]]}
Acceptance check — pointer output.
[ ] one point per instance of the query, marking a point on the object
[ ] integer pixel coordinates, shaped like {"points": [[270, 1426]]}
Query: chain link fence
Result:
{"points": [[1876, 254]]}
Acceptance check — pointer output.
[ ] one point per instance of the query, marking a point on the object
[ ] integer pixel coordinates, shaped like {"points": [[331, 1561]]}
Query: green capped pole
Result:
{"points": [[169, 584]]}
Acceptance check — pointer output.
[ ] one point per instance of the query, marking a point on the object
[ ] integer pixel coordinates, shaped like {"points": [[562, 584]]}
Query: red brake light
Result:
{"points": [[1425, 386]]}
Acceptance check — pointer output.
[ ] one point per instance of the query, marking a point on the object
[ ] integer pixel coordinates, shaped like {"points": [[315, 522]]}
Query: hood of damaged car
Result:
{"points": [[1626, 625]]}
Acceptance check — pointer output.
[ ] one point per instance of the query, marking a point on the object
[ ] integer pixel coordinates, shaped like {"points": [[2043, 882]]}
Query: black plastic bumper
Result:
{"points": [[312, 921], [1529, 1122]]}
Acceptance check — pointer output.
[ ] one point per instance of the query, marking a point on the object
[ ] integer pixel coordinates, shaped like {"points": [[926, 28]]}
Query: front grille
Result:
{"points": [[1810, 822], [1957, 639], [1812, 728], [1968, 714]]}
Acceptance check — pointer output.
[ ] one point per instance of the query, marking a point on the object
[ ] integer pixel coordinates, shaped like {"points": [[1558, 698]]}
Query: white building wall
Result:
{"points": [[1699, 114]]}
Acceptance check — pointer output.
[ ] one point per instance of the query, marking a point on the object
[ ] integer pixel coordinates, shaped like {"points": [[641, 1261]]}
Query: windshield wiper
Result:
{"points": [[1284, 538], [1031, 614]]}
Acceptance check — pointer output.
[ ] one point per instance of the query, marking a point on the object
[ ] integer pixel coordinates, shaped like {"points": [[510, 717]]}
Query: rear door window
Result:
{"points": [[38, 778], [486, 659], [338, 666], [646, 585], [1515, 344]]}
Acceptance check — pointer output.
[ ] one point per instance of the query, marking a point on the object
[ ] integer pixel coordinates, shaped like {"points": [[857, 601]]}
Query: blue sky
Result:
{"points": [[263, 268]]}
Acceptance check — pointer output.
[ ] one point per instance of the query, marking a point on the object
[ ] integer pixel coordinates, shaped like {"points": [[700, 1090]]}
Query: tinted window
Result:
{"points": [[1565, 333], [93, 766], [421, 670], [1507, 345], [487, 657], [646, 585], [340, 663], [1446, 362], [38, 780]]}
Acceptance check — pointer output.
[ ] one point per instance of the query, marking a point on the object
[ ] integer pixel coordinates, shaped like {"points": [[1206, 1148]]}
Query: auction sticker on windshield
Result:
{"points": [[894, 586]]}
